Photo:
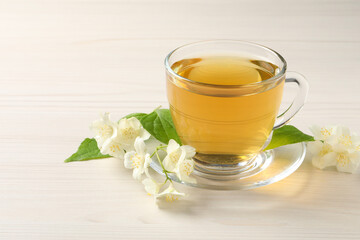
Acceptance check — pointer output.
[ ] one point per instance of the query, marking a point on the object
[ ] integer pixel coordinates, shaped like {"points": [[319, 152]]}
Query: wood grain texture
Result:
{"points": [[63, 62]]}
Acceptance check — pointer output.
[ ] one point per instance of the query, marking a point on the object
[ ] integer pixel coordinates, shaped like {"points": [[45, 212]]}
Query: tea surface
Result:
{"points": [[220, 70]]}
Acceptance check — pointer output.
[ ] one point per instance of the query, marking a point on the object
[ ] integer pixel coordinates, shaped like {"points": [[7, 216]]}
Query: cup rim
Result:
{"points": [[269, 80]]}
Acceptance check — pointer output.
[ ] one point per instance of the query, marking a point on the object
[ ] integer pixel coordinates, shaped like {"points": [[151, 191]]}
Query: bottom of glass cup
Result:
{"points": [[224, 159], [264, 169], [231, 166]]}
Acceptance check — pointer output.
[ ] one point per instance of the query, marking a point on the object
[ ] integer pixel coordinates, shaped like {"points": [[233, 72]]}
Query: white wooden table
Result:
{"points": [[63, 62]]}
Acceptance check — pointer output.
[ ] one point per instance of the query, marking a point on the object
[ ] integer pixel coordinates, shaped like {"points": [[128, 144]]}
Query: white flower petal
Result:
{"points": [[170, 194], [134, 122], [100, 141], [128, 131], [315, 147], [140, 146], [316, 162], [168, 165], [148, 160], [190, 151], [137, 172], [183, 170], [173, 158], [151, 187], [128, 161], [172, 146], [103, 129], [348, 162], [145, 134], [123, 123], [343, 131], [344, 141], [339, 148], [327, 160], [316, 131], [112, 148], [106, 118], [136, 161], [356, 142], [332, 140], [322, 133]]}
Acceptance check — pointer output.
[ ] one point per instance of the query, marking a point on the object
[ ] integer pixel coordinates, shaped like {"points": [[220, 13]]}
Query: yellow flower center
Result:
{"points": [[345, 140], [325, 132], [114, 148], [174, 156], [187, 168], [105, 130], [137, 160], [129, 133], [171, 198], [325, 150], [342, 160]]}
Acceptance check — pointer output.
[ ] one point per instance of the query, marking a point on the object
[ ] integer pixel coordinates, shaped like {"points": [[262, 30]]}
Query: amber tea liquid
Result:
{"points": [[236, 125]]}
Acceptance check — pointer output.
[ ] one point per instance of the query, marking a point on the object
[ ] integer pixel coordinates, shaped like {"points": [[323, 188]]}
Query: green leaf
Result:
{"points": [[87, 150], [160, 125], [288, 135], [139, 116]]}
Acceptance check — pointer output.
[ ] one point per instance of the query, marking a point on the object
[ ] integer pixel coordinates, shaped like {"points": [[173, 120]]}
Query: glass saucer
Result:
{"points": [[268, 167]]}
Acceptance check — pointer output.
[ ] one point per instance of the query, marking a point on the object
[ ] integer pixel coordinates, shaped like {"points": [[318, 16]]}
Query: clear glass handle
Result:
{"points": [[298, 103]]}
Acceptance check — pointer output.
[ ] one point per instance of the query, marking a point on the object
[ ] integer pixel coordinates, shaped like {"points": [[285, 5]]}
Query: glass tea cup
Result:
{"points": [[228, 122]]}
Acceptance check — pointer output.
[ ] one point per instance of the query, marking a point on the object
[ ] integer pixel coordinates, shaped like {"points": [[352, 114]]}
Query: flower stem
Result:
{"points": [[161, 164], [158, 148]]}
